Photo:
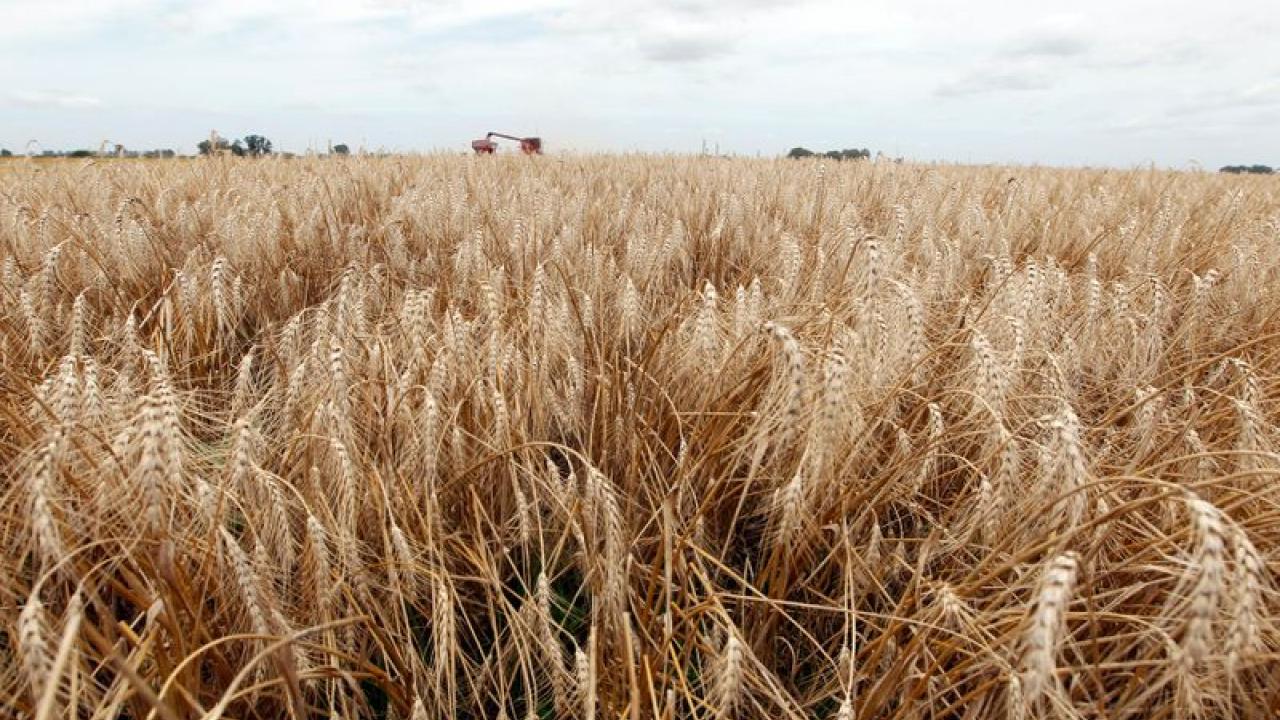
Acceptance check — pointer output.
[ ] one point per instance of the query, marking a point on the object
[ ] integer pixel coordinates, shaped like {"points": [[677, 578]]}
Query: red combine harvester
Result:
{"points": [[486, 145]]}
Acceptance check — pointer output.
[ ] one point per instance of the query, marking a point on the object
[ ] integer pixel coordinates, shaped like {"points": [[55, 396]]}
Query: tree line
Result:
{"points": [[255, 145], [846, 154], [1247, 169], [252, 145], [84, 153]]}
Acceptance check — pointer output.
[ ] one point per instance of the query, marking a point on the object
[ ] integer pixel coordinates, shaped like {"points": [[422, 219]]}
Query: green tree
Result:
{"points": [[237, 149], [205, 147], [5, 153], [257, 145], [341, 149], [799, 152]]}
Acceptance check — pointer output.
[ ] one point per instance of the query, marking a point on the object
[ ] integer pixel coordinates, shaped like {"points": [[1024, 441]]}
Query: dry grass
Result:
{"points": [[451, 437]]}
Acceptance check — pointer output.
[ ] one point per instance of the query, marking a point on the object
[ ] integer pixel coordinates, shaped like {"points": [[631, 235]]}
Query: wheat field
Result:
{"points": [[637, 437]]}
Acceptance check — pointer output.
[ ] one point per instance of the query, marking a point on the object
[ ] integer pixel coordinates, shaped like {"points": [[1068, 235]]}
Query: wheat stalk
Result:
{"points": [[1044, 635]]}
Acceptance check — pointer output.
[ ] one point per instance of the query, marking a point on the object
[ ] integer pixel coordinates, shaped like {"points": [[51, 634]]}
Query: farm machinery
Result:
{"points": [[486, 145]]}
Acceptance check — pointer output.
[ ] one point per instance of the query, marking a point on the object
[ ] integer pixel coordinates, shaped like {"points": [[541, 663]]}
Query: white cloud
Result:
{"points": [[39, 19], [1057, 36], [994, 79], [64, 101], [1063, 45], [1250, 105], [691, 47]]}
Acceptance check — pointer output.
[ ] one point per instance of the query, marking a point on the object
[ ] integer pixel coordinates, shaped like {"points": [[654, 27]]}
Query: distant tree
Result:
{"points": [[1249, 169], [257, 145], [205, 147], [846, 154], [80, 153], [5, 153], [341, 149]]}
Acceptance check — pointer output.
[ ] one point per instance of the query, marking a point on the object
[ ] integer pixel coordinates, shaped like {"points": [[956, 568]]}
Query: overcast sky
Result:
{"points": [[1101, 82]]}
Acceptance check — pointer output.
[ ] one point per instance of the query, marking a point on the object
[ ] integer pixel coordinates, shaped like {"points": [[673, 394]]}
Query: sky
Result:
{"points": [[1122, 83]]}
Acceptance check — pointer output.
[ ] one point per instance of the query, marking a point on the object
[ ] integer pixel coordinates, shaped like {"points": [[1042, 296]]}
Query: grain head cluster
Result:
{"points": [[636, 437]]}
